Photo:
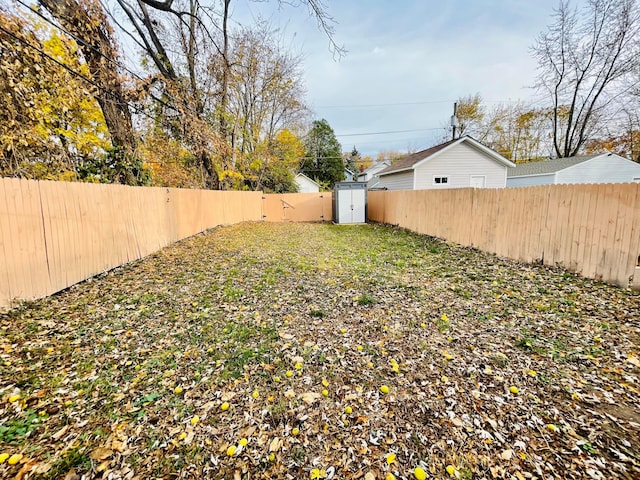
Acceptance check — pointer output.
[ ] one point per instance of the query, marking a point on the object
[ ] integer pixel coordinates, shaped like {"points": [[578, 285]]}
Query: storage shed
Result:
{"points": [[350, 202]]}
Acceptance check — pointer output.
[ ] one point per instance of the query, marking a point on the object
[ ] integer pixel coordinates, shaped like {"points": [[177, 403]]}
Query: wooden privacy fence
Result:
{"points": [[593, 230], [55, 234], [298, 207]]}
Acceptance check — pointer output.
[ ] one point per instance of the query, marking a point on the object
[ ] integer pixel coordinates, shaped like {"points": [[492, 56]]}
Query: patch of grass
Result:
{"points": [[14, 430], [366, 299], [75, 458], [232, 294], [587, 447], [526, 342], [443, 323]]}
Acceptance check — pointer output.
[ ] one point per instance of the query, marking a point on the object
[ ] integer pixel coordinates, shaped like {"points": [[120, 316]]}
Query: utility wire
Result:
{"points": [[385, 104], [388, 132], [94, 49], [396, 104], [77, 74]]}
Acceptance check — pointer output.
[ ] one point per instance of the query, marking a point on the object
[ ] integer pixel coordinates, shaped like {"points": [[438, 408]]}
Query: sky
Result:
{"points": [[408, 61]]}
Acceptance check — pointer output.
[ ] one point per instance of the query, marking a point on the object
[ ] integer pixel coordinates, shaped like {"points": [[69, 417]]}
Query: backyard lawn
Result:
{"points": [[289, 351]]}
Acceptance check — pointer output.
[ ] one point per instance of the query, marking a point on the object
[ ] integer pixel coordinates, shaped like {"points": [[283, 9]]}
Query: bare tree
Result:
{"points": [[179, 37], [583, 58], [266, 90]]}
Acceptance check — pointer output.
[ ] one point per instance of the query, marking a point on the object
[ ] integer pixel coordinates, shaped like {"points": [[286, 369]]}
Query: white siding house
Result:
{"points": [[396, 181], [459, 163], [370, 175], [600, 168], [305, 184]]}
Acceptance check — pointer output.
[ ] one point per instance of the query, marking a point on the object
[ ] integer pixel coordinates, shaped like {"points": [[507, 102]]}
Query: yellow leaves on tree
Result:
{"points": [[170, 163], [272, 165], [49, 120]]}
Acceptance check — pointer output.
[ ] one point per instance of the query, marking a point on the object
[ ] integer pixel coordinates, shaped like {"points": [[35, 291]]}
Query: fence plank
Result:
{"points": [[5, 248], [622, 267], [634, 249]]}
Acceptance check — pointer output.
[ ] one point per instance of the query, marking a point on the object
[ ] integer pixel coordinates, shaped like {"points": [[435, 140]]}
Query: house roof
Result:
{"points": [[375, 167], [411, 161], [310, 179], [548, 166]]}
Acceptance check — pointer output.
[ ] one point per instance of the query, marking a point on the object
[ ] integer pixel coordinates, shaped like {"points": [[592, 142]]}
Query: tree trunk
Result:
{"points": [[89, 24]]}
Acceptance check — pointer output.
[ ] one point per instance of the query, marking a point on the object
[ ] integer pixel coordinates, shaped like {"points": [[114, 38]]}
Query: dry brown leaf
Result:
{"points": [[310, 397], [60, 433], [506, 454], [275, 444], [72, 475], [633, 360], [101, 453]]}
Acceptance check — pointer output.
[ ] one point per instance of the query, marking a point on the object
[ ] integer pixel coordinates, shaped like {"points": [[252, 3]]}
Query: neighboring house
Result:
{"points": [[600, 168], [460, 163], [349, 176], [370, 175], [306, 184]]}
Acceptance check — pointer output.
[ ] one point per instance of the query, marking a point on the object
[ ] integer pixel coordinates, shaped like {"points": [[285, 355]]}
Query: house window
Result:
{"points": [[441, 180]]}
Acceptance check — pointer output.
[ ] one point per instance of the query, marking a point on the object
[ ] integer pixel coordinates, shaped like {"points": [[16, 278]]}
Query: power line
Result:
{"points": [[76, 73], [400, 104], [97, 51], [385, 104], [387, 132]]}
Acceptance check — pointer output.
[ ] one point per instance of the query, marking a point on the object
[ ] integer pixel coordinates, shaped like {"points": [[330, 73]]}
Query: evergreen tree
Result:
{"points": [[323, 158], [352, 160]]}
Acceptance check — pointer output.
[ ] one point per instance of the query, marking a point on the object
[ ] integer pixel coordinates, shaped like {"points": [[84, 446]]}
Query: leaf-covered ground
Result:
{"points": [[321, 351]]}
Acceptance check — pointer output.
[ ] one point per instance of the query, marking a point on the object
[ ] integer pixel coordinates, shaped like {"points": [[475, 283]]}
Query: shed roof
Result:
{"points": [[411, 161], [548, 166]]}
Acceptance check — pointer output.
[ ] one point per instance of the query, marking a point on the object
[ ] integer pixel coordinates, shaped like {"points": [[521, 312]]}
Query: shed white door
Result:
{"points": [[478, 181], [351, 205], [358, 201]]}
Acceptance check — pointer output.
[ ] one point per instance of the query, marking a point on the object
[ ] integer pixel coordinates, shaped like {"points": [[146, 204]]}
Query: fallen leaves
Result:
{"points": [[101, 453], [242, 353], [310, 397]]}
